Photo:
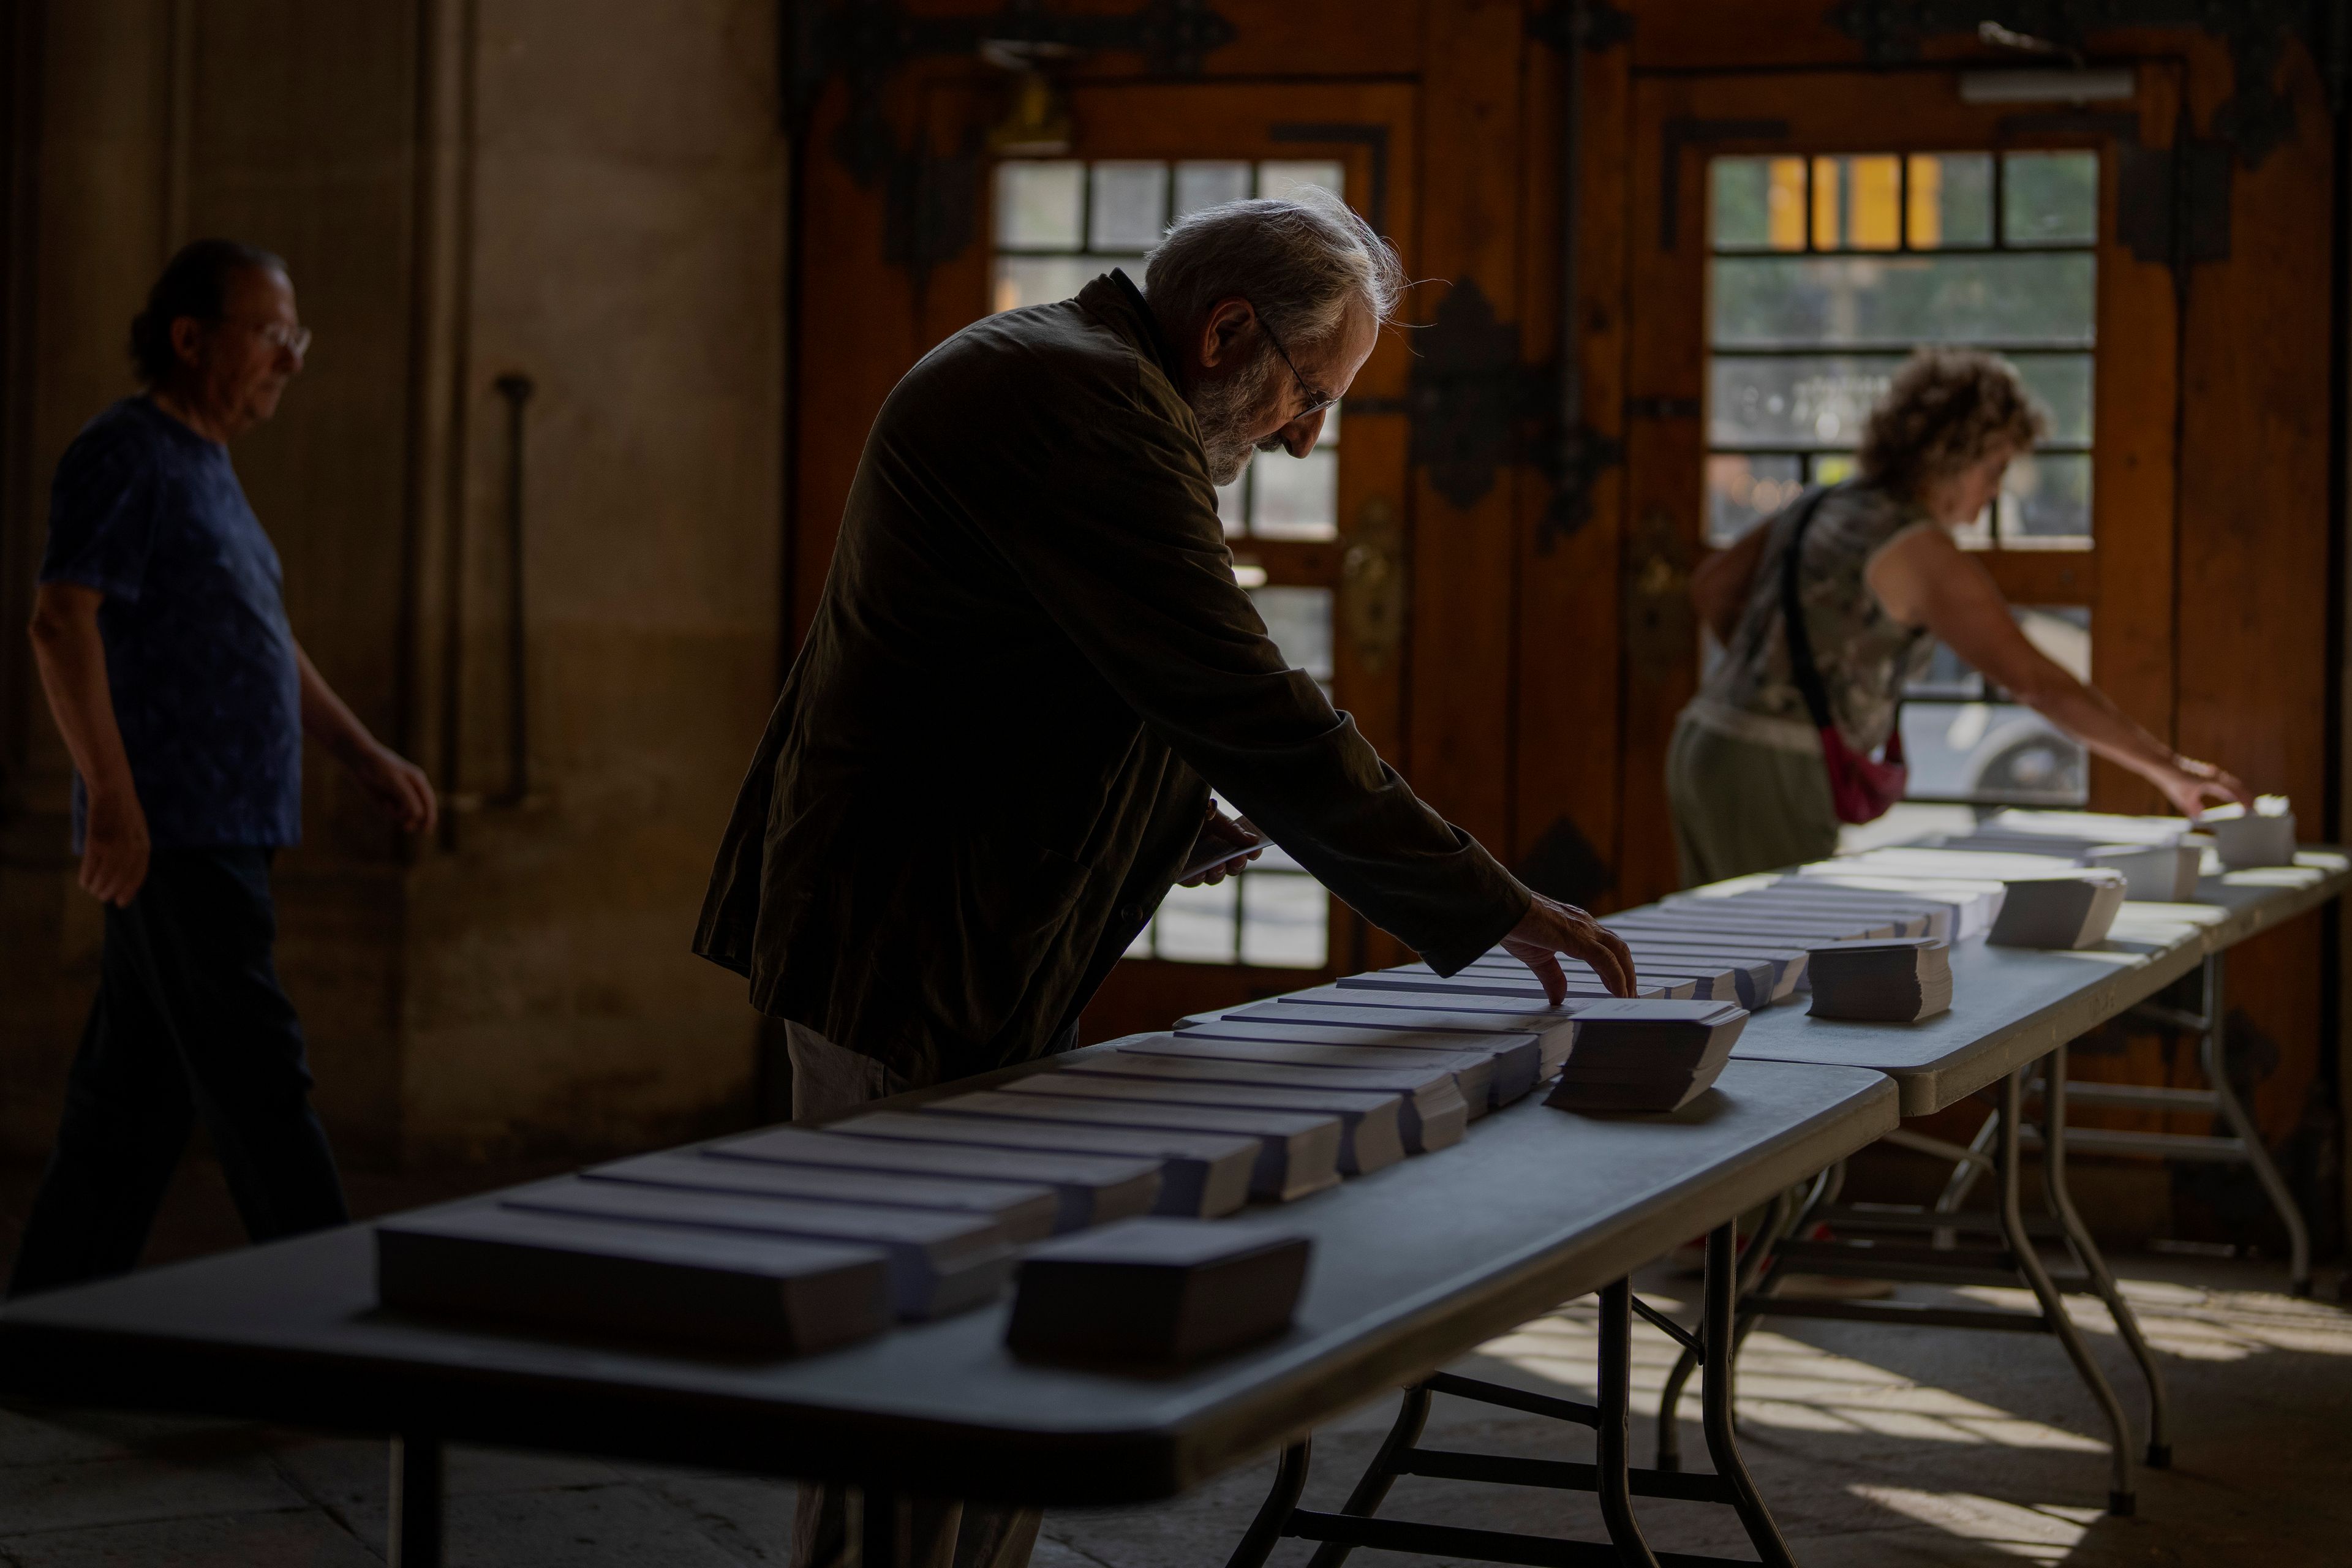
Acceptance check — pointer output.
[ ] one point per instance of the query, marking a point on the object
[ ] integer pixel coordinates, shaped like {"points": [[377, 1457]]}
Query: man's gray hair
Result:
{"points": [[1299, 260]]}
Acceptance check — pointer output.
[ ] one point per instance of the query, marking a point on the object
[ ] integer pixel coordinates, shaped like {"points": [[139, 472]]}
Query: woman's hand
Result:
{"points": [[1550, 927], [2192, 786]]}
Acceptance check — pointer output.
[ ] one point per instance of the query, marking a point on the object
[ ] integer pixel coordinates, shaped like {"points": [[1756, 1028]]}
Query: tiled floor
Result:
{"points": [[1874, 1446]]}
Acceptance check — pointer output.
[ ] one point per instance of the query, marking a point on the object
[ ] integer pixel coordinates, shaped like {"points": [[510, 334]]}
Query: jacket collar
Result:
{"points": [[1118, 300]]}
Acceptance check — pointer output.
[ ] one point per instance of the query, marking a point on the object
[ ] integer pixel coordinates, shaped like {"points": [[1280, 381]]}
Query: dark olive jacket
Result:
{"points": [[989, 761]]}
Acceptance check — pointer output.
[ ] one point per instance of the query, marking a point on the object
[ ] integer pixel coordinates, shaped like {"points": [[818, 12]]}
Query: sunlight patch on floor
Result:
{"points": [[1783, 1383], [2203, 1325], [2038, 1534]]}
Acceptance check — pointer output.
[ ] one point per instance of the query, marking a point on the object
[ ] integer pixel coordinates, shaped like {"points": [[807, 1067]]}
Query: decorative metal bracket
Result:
{"points": [[1476, 409], [933, 196], [2257, 118]]}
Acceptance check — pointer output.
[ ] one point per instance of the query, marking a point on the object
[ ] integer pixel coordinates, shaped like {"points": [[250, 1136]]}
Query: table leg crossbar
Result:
{"points": [[1860, 1249], [2242, 1146], [1610, 1478]]}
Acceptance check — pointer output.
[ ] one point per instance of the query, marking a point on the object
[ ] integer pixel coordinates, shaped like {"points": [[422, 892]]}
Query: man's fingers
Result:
{"points": [[1546, 968]]}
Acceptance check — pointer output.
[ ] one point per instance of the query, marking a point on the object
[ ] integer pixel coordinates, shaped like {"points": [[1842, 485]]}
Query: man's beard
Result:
{"points": [[1225, 410]]}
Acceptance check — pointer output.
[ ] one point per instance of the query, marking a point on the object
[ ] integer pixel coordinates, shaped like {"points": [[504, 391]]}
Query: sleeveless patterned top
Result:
{"points": [[1867, 657]]}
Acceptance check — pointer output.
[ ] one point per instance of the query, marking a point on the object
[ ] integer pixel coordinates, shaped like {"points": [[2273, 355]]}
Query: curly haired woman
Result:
{"points": [[1879, 580]]}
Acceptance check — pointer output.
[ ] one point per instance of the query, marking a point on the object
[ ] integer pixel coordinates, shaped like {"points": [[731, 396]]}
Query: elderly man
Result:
{"points": [[183, 698], [1030, 664]]}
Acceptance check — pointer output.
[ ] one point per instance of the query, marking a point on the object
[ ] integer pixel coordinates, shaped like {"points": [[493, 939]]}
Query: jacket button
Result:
{"points": [[1132, 914]]}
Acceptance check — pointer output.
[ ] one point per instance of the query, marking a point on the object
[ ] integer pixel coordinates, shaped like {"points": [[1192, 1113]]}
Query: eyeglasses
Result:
{"points": [[284, 339], [1316, 401]]}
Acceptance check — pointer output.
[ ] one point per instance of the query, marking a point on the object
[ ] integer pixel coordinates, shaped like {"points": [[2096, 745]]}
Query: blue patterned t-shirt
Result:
{"points": [[199, 656]]}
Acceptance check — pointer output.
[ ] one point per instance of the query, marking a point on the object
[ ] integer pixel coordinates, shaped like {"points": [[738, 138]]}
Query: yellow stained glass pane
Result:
{"points": [[1785, 204], [1826, 203], [1874, 218], [1926, 202]]}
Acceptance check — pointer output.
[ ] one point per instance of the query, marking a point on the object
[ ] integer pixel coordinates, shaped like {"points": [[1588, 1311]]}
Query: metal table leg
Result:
{"points": [[2093, 1262], [1715, 1402], [1412, 1414], [1611, 1477], [1781, 1220], [412, 1524], [1613, 1429], [2211, 1055], [2054, 1307], [1273, 1520]]}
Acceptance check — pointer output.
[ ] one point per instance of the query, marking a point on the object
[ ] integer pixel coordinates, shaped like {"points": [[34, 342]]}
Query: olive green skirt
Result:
{"points": [[1743, 805]]}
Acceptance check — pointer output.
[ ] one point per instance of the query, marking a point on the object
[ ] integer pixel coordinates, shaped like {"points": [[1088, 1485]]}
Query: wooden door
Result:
{"points": [[1794, 236], [1318, 541]]}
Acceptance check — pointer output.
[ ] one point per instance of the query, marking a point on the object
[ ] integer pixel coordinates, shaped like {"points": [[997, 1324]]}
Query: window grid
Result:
{"points": [[1967, 740], [1272, 914]]}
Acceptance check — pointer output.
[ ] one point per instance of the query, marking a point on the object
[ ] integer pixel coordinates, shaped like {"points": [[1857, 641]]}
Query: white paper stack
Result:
{"points": [[704, 1289], [941, 1263], [1897, 981], [1646, 1056], [1156, 1293], [1370, 1136], [2061, 913], [1433, 1111], [1297, 1153], [1093, 1188], [2262, 837], [2152, 873]]}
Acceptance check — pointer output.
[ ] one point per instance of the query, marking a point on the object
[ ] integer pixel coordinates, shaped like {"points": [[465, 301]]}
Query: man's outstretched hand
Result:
{"points": [[1550, 927]]}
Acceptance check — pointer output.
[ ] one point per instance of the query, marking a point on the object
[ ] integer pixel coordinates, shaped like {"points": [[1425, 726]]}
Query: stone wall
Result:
{"points": [[590, 195]]}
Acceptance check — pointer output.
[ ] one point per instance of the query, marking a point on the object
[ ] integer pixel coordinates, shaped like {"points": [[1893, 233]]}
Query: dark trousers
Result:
{"points": [[189, 1021], [830, 1081]]}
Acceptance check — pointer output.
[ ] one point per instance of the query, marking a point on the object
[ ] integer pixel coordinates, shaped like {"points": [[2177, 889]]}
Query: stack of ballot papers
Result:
{"points": [[2164, 873], [1646, 1055], [1890, 980], [2262, 837], [1155, 1292], [2060, 913], [716, 1289]]}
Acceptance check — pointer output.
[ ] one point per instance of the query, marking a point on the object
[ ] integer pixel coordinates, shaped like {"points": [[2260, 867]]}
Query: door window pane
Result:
{"points": [[2062, 384], [1129, 205], [1286, 919], [1299, 621], [1197, 925], [1857, 203], [1950, 202], [1295, 498], [2046, 502], [1038, 204], [1744, 489], [1041, 280], [1899, 301], [1794, 400], [1208, 184], [2050, 198], [1281, 177], [1740, 192]]}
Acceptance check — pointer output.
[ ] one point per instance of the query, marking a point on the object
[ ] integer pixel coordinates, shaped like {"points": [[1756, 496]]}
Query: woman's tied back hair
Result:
{"points": [[1945, 411], [1298, 259]]}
